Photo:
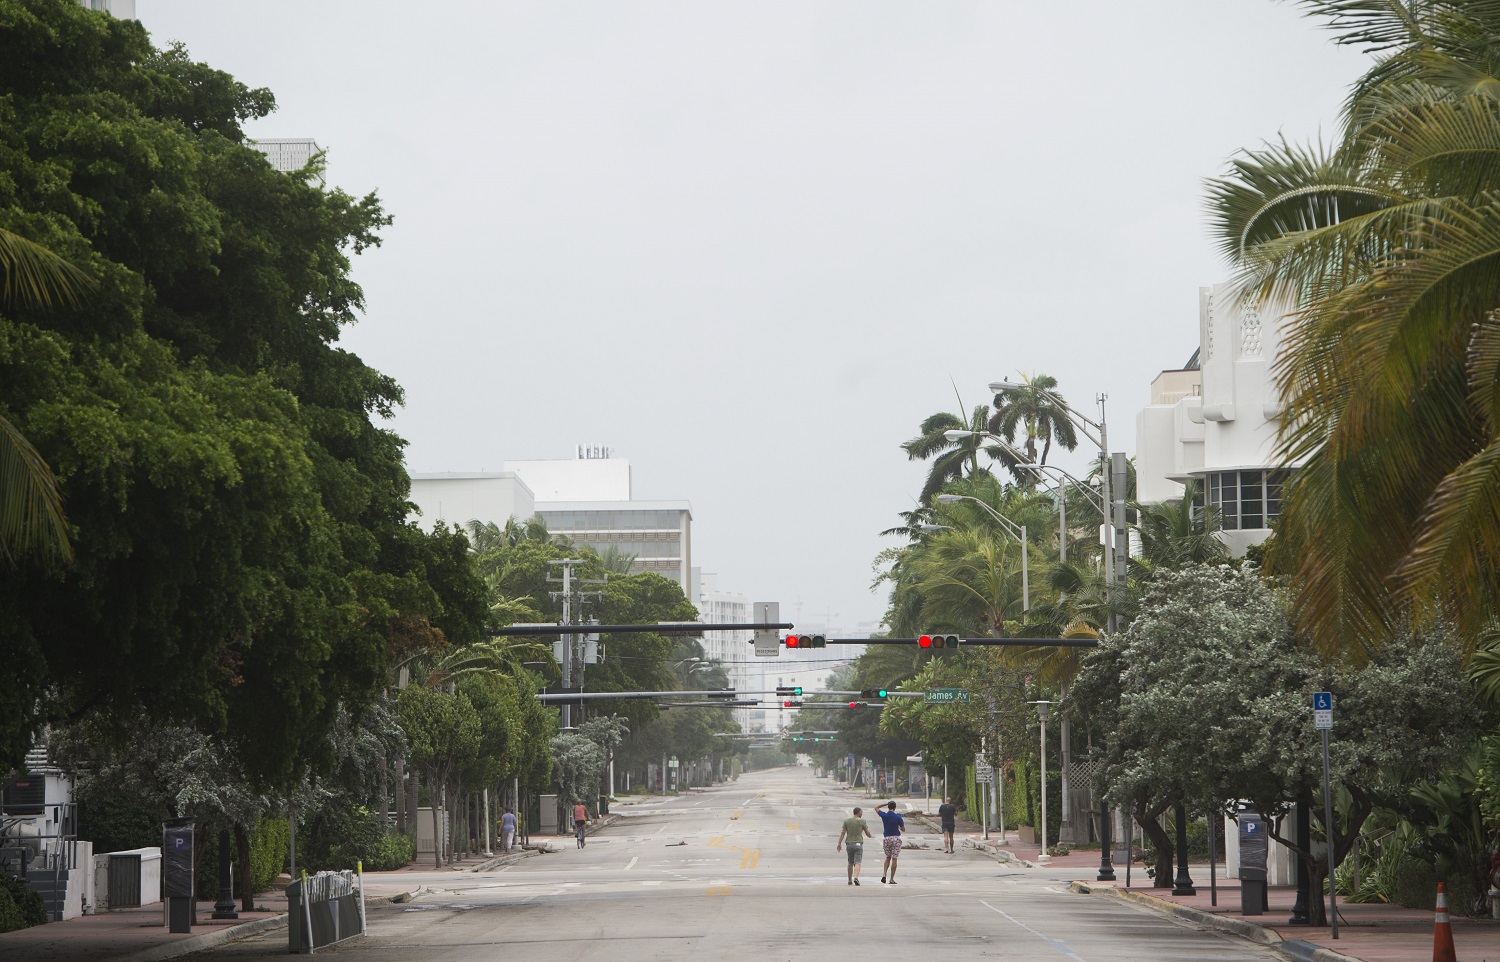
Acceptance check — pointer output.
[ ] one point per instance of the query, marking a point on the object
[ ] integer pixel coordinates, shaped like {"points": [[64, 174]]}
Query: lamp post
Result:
{"points": [[1017, 531], [1043, 708], [1113, 540]]}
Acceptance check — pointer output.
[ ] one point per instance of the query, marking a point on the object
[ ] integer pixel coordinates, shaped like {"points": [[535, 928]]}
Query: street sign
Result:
{"points": [[984, 775], [947, 695], [1322, 711], [767, 640]]}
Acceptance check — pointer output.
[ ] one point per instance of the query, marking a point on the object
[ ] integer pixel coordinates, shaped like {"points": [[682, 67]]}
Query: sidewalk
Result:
{"points": [[138, 935], [1368, 932]]}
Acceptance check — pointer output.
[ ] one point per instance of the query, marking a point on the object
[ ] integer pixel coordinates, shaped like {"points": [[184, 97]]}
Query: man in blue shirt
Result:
{"points": [[894, 826]]}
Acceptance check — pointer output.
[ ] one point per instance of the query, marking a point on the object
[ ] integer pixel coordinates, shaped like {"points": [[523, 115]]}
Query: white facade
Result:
{"points": [[658, 533], [1221, 430], [119, 9], [730, 648], [461, 497], [288, 154], [576, 479]]}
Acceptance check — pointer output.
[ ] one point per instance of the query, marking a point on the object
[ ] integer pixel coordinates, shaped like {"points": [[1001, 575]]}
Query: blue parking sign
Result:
{"points": [[1322, 701]]}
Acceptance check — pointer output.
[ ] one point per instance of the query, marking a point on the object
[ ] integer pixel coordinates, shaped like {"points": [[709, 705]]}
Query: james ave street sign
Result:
{"points": [[947, 694]]}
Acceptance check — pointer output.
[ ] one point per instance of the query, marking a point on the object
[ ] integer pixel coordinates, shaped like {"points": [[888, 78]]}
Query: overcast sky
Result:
{"points": [[750, 246]]}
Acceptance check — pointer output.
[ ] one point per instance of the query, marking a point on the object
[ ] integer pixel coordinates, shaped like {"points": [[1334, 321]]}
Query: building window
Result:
{"points": [[1246, 500]]}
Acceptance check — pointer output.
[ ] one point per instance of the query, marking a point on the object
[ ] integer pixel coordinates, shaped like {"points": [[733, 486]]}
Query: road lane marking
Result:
{"points": [[718, 887], [652, 882], [631, 864], [1050, 941], [799, 839], [793, 826]]}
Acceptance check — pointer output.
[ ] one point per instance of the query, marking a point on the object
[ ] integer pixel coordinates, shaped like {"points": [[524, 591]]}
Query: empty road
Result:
{"points": [[748, 871]]}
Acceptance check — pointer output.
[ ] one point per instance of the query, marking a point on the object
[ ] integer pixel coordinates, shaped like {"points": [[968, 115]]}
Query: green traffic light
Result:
{"points": [[797, 691], [881, 693]]}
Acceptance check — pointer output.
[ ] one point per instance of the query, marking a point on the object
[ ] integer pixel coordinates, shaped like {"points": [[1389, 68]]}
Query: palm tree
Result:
{"points": [[1178, 533], [1035, 409], [31, 513], [1387, 246], [951, 460]]}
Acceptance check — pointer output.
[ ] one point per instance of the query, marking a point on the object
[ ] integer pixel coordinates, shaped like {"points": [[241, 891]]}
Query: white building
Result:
{"points": [[732, 649], [587, 499], [288, 154], [119, 9], [1215, 420]]}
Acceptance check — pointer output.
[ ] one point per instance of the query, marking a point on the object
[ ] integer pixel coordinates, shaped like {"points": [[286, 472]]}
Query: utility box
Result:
{"points": [[1254, 846], [178, 884]]}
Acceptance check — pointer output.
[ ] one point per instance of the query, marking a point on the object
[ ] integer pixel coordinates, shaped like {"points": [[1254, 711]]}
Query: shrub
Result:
{"points": [[393, 852], [20, 907], [268, 848]]}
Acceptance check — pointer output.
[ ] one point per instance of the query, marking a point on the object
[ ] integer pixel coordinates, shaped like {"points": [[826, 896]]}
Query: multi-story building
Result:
{"points": [[1215, 420], [587, 500], [288, 154], [119, 9], [730, 648]]}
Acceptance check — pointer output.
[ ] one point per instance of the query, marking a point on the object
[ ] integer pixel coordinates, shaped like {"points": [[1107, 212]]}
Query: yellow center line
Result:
{"points": [[793, 826]]}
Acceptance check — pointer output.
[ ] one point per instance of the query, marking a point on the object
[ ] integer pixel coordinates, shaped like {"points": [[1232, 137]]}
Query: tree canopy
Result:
{"points": [[242, 560]]}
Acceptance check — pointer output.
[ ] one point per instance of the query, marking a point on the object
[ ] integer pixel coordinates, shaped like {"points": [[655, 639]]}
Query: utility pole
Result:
{"points": [[569, 654]]}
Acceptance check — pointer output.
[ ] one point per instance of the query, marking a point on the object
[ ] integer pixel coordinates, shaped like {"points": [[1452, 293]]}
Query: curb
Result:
{"points": [[998, 854], [489, 865], [208, 940], [1294, 949]]}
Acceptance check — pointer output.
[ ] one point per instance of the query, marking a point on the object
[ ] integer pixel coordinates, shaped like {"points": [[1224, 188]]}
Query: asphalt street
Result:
{"points": [[748, 871]]}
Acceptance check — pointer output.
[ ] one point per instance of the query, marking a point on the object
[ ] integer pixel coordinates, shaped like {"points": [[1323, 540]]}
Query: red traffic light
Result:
{"points": [[925, 641], [792, 641], [854, 704]]}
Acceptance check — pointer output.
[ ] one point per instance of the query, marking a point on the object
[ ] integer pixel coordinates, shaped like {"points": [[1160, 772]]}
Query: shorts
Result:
{"points": [[892, 845], [948, 828], [856, 852]]}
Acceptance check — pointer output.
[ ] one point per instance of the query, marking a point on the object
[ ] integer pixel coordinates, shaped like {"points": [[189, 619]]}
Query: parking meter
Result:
{"points": [[1254, 847]]}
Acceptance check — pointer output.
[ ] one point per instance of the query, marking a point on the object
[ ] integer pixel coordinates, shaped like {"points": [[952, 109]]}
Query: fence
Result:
{"points": [[325, 908]]}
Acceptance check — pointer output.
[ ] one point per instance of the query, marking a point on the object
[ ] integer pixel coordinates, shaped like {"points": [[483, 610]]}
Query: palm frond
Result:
{"points": [[31, 514], [31, 274]]}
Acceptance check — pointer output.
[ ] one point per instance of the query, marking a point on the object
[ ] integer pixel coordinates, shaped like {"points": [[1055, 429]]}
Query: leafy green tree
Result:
{"points": [[443, 733], [1214, 642], [242, 563], [578, 765], [1385, 244]]}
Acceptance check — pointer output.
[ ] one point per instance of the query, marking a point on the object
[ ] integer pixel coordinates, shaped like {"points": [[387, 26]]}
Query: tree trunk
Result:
{"points": [[1161, 839], [242, 852], [400, 773], [385, 798], [437, 828], [413, 797]]}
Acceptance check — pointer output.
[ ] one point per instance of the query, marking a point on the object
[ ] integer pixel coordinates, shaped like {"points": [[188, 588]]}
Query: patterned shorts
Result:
{"points": [[892, 846]]}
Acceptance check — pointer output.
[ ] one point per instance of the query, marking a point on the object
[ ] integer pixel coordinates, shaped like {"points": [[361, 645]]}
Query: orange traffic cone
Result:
{"points": [[1442, 931]]}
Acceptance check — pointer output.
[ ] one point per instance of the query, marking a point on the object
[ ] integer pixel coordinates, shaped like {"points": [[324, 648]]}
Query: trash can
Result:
{"points": [[1254, 845]]}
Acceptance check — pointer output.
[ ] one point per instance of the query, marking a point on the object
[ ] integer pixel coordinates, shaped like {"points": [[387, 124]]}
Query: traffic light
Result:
{"points": [[792, 703], [873, 693], [856, 704], [806, 641], [785, 691], [938, 641]]}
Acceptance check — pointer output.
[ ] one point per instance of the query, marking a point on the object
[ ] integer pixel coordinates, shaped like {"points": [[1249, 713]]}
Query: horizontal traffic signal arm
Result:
{"points": [[605, 695], [674, 628], [972, 642]]}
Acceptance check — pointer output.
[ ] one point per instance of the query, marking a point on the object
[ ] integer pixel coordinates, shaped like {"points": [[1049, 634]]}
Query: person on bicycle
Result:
{"points": [[580, 822]]}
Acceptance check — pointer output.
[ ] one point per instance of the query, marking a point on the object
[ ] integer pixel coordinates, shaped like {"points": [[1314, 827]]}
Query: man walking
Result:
{"points": [[854, 833], [507, 830], [891, 841], [947, 814]]}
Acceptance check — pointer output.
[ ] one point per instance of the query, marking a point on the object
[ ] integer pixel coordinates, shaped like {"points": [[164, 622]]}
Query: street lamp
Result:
{"points": [[1112, 501], [1017, 531], [1043, 708]]}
